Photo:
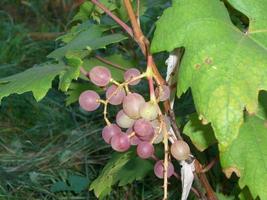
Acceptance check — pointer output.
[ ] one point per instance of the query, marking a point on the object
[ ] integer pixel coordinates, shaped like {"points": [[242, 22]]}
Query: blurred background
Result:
{"points": [[47, 150]]}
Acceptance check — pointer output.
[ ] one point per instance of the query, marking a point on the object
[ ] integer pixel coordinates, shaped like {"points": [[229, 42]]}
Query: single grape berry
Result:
{"points": [[145, 150], [100, 76], [89, 100], [131, 105], [123, 120], [163, 93], [143, 128], [130, 74], [115, 95], [180, 150], [149, 110], [159, 169], [109, 131], [120, 142]]}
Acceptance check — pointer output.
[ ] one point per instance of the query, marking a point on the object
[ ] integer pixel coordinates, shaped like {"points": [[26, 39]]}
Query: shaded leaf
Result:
{"points": [[201, 135], [89, 39], [123, 168]]}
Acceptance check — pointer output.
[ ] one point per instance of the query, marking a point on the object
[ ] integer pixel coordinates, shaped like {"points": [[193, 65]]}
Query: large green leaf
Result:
{"points": [[247, 156], [123, 168], [38, 80], [224, 67]]}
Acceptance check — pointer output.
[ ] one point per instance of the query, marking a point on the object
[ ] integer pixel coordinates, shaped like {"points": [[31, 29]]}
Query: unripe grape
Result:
{"points": [[149, 110], [159, 138], [145, 150], [123, 120], [100, 76], [159, 169], [89, 100], [180, 150], [117, 95], [163, 93], [143, 128], [109, 131], [131, 105], [156, 125], [132, 73], [120, 142]]}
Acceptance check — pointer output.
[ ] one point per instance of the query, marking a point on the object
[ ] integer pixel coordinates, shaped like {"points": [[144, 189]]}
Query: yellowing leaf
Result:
{"points": [[224, 67]]}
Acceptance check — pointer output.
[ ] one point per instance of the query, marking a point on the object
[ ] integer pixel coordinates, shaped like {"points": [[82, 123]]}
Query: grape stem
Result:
{"points": [[123, 85], [83, 71], [110, 63], [166, 158], [114, 17]]}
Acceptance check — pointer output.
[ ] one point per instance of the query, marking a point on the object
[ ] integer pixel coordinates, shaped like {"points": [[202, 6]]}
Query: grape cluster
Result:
{"points": [[138, 122]]}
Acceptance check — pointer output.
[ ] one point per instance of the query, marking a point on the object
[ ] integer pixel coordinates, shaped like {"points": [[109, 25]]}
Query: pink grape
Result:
{"points": [[120, 142], [100, 76], [132, 73], [131, 105], [147, 138], [145, 150], [134, 140], [88, 100], [149, 110], [143, 128], [109, 131], [163, 93], [123, 120], [159, 169], [180, 150], [115, 95]]}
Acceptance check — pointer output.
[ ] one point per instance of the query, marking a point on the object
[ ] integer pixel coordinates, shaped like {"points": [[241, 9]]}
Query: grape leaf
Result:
{"points": [[76, 184], [88, 39], [256, 12], [84, 12], [37, 79], [247, 156], [73, 71], [123, 168], [224, 67], [201, 135]]}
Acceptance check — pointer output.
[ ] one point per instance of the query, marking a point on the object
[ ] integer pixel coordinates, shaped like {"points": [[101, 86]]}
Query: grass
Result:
{"points": [[46, 142]]}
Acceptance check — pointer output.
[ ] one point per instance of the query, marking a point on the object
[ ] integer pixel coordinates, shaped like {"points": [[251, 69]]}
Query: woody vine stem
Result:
{"points": [[152, 73]]}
